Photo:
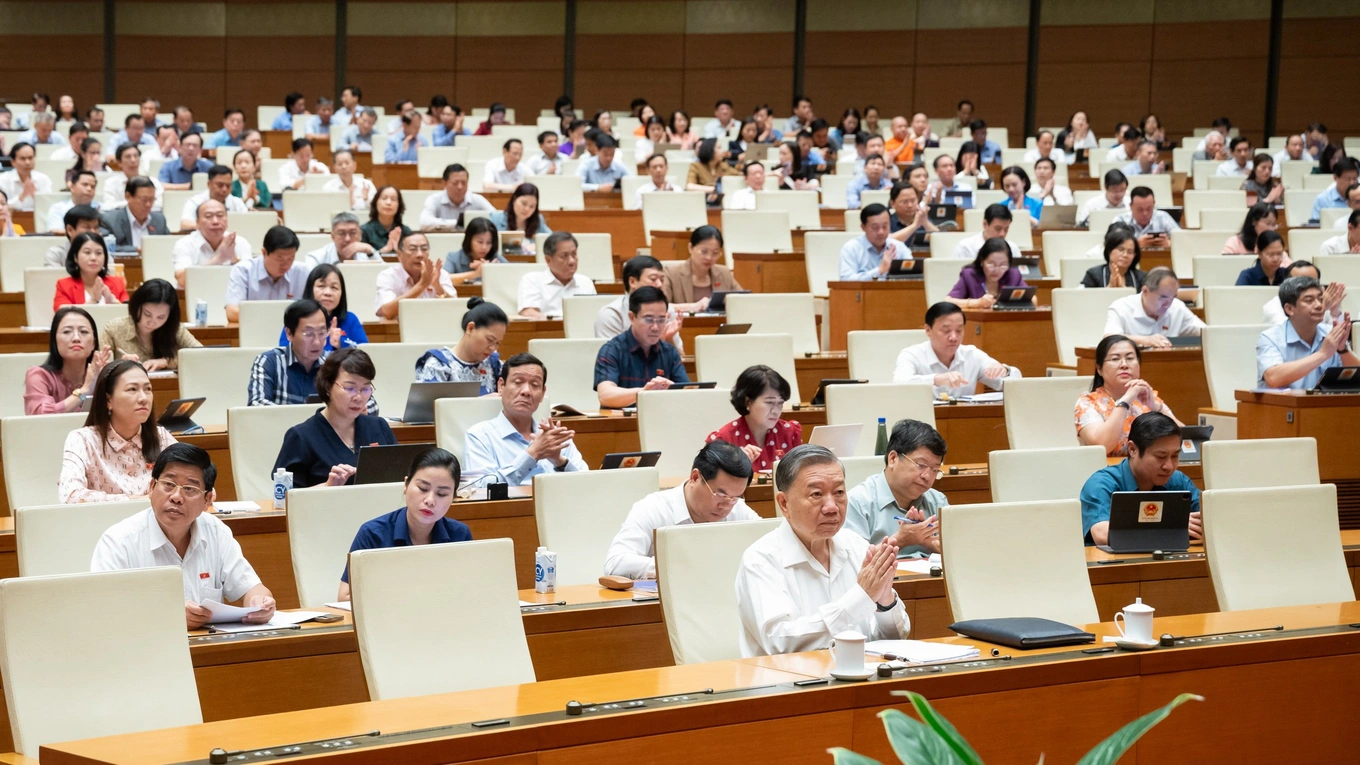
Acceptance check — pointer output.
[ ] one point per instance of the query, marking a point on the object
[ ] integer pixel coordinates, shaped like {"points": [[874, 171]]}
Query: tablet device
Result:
{"points": [[623, 460], [177, 414], [420, 400], [1192, 442], [1339, 380], [717, 303], [1015, 299], [1144, 521], [386, 464], [840, 439], [906, 268], [1186, 341], [733, 329], [692, 385], [819, 398]]}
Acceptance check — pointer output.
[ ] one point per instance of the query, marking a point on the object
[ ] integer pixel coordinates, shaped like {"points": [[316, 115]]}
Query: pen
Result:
{"points": [[905, 519]]}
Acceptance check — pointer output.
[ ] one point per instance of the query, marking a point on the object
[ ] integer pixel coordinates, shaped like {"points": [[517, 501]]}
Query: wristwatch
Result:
{"points": [[1124, 404], [889, 607]]}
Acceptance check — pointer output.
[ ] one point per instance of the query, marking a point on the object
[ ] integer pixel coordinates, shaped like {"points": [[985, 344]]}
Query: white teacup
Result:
{"points": [[1137, 622], [847, 650]]}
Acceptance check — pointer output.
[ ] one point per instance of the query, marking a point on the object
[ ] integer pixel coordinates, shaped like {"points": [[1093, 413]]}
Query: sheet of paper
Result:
{"points": [[237, 506], [983, 398], [344, 606], [525, 604], [645, 585], [242, 627], [223, 613], [913, 566], [920, 651], [160, 373]]}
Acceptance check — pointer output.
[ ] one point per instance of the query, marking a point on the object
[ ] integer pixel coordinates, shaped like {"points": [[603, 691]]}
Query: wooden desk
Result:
{"points": [[771, 272], [1176, 373], [1023, 339], [901, 304], [993, 701], [1332, 419]]}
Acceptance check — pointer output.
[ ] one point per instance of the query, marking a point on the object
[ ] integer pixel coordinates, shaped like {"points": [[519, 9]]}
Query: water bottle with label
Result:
{"points": [[545, 570], [881, 446], [201, 313], [283, 483]]}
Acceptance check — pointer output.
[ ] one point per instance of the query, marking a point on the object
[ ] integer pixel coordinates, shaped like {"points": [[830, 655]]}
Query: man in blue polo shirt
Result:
{"points": [[233, 122], [1296, 352], [179, 174], [1154, 456], [638, 360]]}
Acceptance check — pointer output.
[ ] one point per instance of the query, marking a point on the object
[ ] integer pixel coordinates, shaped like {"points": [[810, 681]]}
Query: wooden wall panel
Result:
{"points": [[992, 75], [856, 69], [54, 64], [524, 73], [610, 74], [1110, 87], [748, 68], [1318, 62], [1205, 70]]}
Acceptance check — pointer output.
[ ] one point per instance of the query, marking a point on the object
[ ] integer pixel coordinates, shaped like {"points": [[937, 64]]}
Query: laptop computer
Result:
{"points": [[420, 400], [1015, 299], [1186, 341], [840, 439], [177, 414], [907, 269], [1192, 441], [1145, 521], [717, 303], [624, 460], [1058, 216], [819, 398], [733, 329], [386, 464], [1339, 380]]}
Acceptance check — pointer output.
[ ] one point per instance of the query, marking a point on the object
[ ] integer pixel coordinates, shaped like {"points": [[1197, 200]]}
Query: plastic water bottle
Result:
{"points": [[545, 570], [881, 447], [283, 483], [201, 313]]}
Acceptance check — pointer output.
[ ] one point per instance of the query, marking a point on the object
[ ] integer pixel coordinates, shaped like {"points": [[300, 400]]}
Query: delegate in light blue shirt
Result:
{"points": [[1329, 198], [221, 138], [859, 184], [495, 448], [121, 137], [399, 153], [443, 136], [860, 259], [352, 137], [988, 152], [1281, 344], [871, 507], [1099, 489], [283, 121], [174, 172], [249, 281], [593, 176], [30, 136], [498, 219], [314, 126]]}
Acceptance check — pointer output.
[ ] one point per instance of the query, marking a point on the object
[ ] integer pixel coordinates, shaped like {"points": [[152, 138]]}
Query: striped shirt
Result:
{"points": [[277, 378]]}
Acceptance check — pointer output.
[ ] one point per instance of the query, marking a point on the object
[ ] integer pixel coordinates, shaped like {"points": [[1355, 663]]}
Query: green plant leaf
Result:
{"points": [[843, 756], [946, 730], [916, 743], [1111, 749]]}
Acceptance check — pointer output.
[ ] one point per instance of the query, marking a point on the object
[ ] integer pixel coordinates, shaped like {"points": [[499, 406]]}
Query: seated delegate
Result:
{"points": [[811, 579], [1332, 297], [1121, 262], [481, 245], [1267, 271], [541, 292], [759, 397], [904, 489], [87, 262], [869, 256], [1297, 352], [690, 284], [981, 282], [67, 376], [512, 447], [638, 360], [475, 357], [638, 271], [711, 494], [110, 458], [996, 224], [945, 362], [324, 448], [430, 488], [1154, 456], [326, 285], [151, 332], [175, 531], [1118, 394], [1154, 314], [287, 374], [413, 276], [274, 275]]}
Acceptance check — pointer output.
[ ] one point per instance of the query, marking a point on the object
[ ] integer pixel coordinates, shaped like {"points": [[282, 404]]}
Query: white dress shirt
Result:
{"points": [[1126, 316], [631, 554], [234, 204], [1342, 223], [361, 190], [290, 173], [1056, 155], [743, 198], [1061, 195], [328, 254], [64, 154], [395, 282], [1337, 245], [967, 248], [1231, 169], [213, 567], [194, 250], [542, 290], [13, 188], [919, 364], [1117, 154], [1099, 202], [649, 187], [440, 212], [497, 174], [788, 602], [539, 164], [114, 195]]}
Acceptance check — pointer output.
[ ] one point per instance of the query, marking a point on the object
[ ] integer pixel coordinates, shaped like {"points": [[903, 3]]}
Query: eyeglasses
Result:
{"points": [[921, 467], [188, 492], [351, 391], [653, 321], [312, 335], [723, 500]]}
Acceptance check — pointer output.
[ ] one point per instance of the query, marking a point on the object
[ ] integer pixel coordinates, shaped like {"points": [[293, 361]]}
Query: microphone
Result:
{"points": [[1169, 641]]}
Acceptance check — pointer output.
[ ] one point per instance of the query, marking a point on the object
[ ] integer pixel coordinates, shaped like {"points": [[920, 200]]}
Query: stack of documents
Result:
{"points": [[920, 651]]}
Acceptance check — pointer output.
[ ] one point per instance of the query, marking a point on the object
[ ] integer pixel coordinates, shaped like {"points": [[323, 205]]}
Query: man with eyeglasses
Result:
{"points": [[175, 531], [638, 360], [711, 494], [414, 276], [287, 375], [512, 447], [903, 490]]}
